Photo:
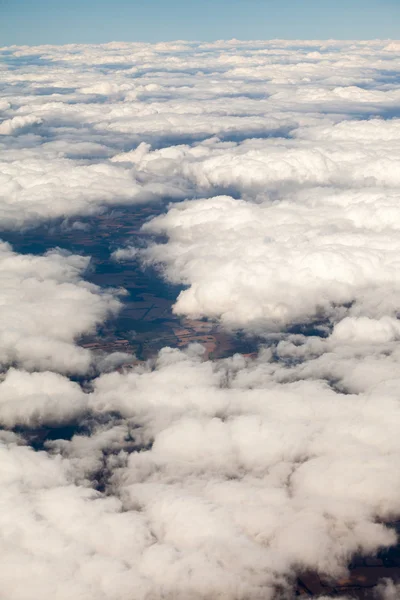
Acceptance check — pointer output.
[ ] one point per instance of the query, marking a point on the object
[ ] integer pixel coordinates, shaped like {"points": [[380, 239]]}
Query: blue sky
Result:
{"points": [[94, 21]]}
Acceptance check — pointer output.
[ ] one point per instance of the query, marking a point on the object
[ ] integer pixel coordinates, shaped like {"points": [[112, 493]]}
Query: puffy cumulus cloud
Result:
{"points": [[40, 184], [387, 590], [350, 364], [338, 155], [65, 538], [45, 307], [122, 254], [263, 266], [218, 478], [184, 478], [67, 111], [18, 123], [372, 130], [34, 399]]}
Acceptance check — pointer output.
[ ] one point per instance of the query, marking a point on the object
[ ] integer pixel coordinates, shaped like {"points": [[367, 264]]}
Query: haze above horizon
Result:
{"points": [[47, 22]]}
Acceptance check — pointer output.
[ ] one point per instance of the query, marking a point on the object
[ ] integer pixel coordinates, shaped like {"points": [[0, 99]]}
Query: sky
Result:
{"points": [[25, 22]]}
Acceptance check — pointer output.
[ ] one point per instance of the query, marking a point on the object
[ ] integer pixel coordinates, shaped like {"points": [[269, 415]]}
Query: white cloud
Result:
{"points": [[46, 307], [18, 123], [32, 399], [242, 481], [387, 590], [314, 466], [199, 479], [330, 155], [83, 103], [122, 254], [263, 266], [38, 185]]}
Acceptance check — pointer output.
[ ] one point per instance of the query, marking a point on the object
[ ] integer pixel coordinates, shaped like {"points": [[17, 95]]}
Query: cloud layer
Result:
{"points": [[184, 478], [72, 115], [243, 480]]}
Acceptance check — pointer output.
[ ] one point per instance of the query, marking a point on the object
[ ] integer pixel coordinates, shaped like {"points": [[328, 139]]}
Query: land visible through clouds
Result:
{"points": [[146, 324]]}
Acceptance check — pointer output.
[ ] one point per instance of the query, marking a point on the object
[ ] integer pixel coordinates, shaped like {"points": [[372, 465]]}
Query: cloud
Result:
{"points": [[39, 184], [268, 265], [241, 482], [17, 124], [336, 155], [60, 530], [185, 478], [122, 254], [387, 590], [46, 307], [32, 399], [68, 111]]}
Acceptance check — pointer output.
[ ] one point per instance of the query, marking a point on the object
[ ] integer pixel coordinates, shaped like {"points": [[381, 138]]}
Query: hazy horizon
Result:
{"points": [[46, 22]]}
